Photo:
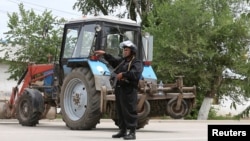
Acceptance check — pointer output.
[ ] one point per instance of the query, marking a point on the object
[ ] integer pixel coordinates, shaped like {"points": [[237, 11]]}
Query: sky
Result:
{"points": [[59, 8]]}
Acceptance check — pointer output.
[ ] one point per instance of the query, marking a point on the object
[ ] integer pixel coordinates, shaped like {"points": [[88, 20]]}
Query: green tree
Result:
{"points": [[99, 7], [200, 40], [31, 38]]}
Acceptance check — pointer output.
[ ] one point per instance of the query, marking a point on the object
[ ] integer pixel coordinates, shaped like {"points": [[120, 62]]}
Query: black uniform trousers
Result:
{"points": [[126, 106]]}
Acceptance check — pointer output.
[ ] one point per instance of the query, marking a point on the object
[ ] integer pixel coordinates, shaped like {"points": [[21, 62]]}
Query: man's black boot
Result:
{"points": [[131, 135], [121, 133]]}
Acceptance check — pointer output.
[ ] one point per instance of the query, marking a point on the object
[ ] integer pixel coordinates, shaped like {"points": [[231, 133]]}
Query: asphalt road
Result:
{"points": [[156, 130]]}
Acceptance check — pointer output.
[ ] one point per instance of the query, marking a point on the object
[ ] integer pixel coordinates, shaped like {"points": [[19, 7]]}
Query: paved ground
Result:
{"points": [[156, 130]]}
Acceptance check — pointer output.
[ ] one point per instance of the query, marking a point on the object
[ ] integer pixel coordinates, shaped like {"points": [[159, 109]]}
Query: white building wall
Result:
{"points": [[5, 85], [225, 108]]}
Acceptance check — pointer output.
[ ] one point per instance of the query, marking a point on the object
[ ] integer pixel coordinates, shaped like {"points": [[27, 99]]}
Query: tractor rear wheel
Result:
{"points": [[79, 100], [29, 108]]}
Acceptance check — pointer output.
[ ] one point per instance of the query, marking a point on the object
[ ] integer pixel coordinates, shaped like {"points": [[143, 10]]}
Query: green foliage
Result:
{"points": [[31, 38], [194, 112], [200, 39], [95, 7], [214, 116]]}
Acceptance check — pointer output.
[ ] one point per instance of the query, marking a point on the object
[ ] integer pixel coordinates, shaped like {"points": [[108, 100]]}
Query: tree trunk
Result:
{"points": [[205, 108]]}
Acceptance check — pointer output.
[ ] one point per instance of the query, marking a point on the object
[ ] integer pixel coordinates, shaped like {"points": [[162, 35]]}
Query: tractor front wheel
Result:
{"points": [[30, 107]]}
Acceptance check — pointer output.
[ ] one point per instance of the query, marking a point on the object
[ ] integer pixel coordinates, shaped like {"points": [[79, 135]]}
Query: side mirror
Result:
{"points": [[98, 28], [147, 41]]}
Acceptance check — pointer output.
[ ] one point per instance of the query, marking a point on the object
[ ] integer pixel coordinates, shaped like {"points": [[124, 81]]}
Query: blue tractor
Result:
{"points": [[86, 93], [79, 83]]}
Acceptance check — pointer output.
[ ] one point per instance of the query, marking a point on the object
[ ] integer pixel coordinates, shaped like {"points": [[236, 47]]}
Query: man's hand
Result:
{"points": [[99, 52], [119, 76]]}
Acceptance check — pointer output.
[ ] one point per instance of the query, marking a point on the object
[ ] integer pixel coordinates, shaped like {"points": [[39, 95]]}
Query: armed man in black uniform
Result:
{"points": [[129, 70]]}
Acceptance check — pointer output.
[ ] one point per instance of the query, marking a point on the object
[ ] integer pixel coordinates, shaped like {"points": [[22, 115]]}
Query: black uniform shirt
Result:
{"points": [[131, 69]]}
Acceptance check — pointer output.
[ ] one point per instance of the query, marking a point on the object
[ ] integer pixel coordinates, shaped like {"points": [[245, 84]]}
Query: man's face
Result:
{"points": [[126, 52]]}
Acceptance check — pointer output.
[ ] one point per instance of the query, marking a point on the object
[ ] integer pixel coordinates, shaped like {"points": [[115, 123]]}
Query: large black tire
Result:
{"points": [[79, 100], [30, 107], [143, 115], [177, 113]]}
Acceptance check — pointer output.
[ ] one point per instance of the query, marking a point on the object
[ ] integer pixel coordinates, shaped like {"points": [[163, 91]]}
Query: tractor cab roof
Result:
{"points": [[105, 19]]}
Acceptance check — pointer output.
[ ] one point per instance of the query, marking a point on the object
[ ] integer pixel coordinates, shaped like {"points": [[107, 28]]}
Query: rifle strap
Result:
{"points": [[129, 65], [118, 66]]}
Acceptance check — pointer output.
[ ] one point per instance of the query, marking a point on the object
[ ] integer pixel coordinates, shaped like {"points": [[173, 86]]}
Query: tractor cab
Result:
{"points": [[82, 37]]}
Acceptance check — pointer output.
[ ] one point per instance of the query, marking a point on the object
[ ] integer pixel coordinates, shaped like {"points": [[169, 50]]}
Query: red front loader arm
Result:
{"points": [[33, 73]]}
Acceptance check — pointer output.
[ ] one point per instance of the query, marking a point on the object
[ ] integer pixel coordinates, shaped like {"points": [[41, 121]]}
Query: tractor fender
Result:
{"points": [[149, 74], [101, 74], [99, 70], [37, 99]]}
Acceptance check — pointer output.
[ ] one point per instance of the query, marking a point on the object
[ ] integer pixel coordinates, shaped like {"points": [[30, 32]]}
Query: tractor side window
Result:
{"points": [[70, 42]]}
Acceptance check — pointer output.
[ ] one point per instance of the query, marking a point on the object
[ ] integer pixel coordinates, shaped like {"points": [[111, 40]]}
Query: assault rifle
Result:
{"points": [[113, 79]]}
